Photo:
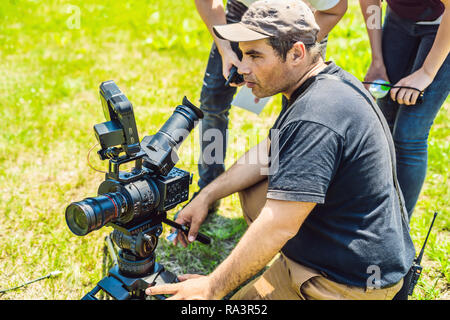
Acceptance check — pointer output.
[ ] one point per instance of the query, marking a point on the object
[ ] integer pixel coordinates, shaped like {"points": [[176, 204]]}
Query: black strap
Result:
{"points": [[393, 86], [387, 133]]}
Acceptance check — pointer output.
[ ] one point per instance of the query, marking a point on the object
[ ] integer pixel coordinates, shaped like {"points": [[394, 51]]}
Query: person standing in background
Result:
{"points": [[411, 51]]}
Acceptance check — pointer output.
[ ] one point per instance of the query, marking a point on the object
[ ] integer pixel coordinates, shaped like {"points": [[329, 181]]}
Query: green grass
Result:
{"points": [[156, 51]]}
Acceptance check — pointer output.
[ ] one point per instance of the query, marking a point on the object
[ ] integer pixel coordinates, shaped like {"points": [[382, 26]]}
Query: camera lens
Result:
{"points": [[134, 200], [93, 213], [78, 220]]}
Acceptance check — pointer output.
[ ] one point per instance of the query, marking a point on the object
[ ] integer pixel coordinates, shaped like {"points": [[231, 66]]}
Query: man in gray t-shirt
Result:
{"points": [[216, 97], [333, 152], [327, 201]]}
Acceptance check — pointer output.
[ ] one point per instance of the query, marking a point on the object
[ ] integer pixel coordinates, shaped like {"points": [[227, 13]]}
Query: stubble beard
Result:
{"points": [[272, 88]]}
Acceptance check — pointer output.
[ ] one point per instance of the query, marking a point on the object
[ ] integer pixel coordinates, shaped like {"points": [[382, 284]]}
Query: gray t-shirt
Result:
{"points": [[333, 151]]}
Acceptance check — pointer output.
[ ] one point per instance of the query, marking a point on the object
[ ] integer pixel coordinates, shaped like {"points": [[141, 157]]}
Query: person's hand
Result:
{"points": [[190, 287], [229, 59], [418, 79], [192, 215], [376, 71]]}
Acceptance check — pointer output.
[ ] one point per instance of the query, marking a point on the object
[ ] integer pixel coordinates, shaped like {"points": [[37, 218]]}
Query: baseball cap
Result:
{"points": [[272, 18]]}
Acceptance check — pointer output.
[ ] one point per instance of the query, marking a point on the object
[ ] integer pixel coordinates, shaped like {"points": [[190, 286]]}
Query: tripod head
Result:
{"points": [[135, 267]]}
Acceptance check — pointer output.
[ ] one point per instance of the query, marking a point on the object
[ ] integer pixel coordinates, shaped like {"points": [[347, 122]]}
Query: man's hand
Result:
{"points": [[241, 175], [418, 79], [192, 215], [190, 287]]}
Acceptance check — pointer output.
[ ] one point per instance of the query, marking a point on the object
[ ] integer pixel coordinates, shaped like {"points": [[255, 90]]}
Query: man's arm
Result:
{"points": [[278, 222], [327, 19], [212, 13], [245, 172]]}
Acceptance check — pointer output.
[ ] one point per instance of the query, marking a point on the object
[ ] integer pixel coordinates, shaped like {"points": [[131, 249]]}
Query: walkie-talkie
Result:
{"points": [[416, 269], [234, 76]]}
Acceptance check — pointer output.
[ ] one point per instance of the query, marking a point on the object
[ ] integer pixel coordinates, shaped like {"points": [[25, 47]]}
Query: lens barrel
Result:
{"points": [[130, 201], [93, 213]]}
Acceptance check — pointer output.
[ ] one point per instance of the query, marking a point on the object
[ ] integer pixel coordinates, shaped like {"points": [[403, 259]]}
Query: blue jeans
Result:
{"points": [[405, 46], [215, 102]]}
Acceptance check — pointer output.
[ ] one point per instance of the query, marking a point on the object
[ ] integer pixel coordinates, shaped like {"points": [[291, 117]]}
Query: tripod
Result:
{"points": [[134, 267]]}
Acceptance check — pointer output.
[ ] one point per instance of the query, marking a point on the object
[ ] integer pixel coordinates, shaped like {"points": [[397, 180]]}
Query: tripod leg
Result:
{"points": [[104, 268], [109, 259], [91, 294]]}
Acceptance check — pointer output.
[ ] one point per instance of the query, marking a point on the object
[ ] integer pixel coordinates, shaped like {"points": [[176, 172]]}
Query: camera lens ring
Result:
{"points": [[79, 217], [93, 213]]}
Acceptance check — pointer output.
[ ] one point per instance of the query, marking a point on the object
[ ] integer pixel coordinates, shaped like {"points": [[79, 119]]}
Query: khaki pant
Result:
{"points": [[286, 279]]}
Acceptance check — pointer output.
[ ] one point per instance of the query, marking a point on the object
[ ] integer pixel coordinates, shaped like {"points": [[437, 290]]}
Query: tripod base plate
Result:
{"points": [[121, 287]]}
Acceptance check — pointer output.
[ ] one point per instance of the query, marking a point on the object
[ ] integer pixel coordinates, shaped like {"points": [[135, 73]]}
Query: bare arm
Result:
{"points": [[247, 171], [278, 222], [421, 78], [327, 19], [212, 13], [372, 13], [424, 76], [441, 44]]}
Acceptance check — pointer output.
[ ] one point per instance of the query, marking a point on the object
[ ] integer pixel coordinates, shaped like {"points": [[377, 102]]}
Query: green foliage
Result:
{"points": [[54, 55]]}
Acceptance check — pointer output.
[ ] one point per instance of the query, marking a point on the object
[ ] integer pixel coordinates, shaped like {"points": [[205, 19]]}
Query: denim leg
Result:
{"points": [[412, 128], [215, 102], [410, 125]]}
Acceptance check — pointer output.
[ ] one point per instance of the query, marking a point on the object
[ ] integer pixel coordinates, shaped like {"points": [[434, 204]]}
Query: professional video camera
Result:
{"points": [[135, 203]]}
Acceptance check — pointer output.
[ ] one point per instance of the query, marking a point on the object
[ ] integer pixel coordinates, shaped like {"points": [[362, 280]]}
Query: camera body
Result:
{"points": [[146, 195], [135, 201]]}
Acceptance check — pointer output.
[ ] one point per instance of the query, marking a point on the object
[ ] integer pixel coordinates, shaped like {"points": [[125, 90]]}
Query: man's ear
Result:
{"points": [[297, 54]]}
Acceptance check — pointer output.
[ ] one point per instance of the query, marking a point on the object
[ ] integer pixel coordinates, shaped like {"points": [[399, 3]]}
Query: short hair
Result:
{"points": [[282, 46]]}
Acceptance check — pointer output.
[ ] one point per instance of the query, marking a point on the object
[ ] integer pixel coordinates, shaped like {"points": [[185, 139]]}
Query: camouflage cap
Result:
{"points": [[272, 18]]}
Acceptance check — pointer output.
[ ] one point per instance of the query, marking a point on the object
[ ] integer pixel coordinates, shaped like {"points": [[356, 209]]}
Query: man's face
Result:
{"points": [[263, 70]]}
